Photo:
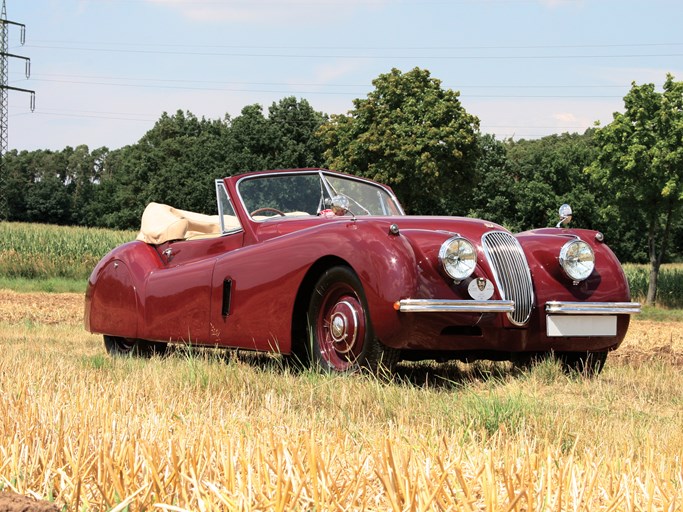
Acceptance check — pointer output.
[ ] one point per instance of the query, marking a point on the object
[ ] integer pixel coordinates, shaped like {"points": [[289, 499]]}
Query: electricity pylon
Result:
{"points": [[4, 88]]}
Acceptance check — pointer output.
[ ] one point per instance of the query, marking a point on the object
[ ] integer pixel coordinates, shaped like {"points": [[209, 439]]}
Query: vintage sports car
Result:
{"points": [[327, 268]]}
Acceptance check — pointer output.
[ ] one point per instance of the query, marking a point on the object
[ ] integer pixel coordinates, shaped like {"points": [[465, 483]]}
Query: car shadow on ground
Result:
{"points": [[424, 374], [452, 374]]}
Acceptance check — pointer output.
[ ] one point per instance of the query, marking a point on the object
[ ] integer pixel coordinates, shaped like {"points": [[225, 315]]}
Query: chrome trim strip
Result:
{"points": [[455, 306], [592, 308], [321, 173]]}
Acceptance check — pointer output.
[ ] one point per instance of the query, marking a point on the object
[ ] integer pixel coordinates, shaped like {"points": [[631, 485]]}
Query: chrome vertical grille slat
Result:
{"points": [[511, 273]]}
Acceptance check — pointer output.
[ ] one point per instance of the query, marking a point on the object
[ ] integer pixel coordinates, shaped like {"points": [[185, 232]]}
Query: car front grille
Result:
{"points": [[511, 272]]}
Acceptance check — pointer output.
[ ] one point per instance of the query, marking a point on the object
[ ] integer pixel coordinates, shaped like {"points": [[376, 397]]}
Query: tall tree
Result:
{"points": [[411, 134], [640, 163], [493, 198], [549, 171], [295, 125], [287, 138]]}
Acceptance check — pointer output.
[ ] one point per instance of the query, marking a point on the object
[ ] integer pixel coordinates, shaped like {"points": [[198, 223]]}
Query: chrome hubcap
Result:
{"points": [[343, 326], [338, 329]]}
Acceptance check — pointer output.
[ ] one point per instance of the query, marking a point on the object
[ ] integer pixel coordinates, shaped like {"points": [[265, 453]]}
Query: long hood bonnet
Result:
{"points": [[464, 226]]}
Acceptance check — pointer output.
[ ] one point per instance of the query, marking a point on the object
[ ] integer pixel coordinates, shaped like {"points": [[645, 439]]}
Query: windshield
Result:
{"points": [[302, 194]]}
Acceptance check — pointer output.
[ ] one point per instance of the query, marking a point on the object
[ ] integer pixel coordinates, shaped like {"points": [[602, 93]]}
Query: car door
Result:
{"points": [[178, 294]]}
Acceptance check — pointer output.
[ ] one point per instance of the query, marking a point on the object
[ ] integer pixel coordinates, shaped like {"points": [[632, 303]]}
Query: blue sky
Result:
{"points": [[105, 70]]}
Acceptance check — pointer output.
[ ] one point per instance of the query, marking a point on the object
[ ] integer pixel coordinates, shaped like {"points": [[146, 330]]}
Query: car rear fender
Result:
{"points": [[113, 294]]}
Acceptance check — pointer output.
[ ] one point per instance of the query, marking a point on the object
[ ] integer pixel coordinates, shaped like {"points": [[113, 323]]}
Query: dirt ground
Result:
{"points": [[645, 341], [12, 502], [41, 308]]}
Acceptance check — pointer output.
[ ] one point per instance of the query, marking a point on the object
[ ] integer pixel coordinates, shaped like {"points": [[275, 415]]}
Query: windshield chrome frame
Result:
{"points": [[328, 187], [220, 186]]}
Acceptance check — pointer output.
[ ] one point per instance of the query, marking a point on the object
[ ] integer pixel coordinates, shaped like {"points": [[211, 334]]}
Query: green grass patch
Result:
{"points": [[51, 285], [489, 412], [661, 314]]}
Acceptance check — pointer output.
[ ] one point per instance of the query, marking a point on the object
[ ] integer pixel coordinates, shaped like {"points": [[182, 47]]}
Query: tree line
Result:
{"points": [[624, 179]]}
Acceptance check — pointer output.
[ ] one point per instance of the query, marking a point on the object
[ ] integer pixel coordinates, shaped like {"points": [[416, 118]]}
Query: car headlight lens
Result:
{"points": [[458, 258], [577, 260]]}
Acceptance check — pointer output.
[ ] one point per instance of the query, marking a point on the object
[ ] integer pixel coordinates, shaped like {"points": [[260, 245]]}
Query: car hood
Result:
{"points": [[410, 226]]}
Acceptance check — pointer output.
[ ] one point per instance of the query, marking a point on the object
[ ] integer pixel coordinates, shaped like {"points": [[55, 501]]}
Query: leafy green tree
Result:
{"points": [[17, 181], [48, 201], [251, 142], [177, 161], [640, 163], [295, 125], [548, 172], [38, 187], [522, 183], [411, 134], [493, 197], [287, 138]]}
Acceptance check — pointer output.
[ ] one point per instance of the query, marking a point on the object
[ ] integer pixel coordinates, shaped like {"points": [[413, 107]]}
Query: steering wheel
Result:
{"points": [[266, 209]]}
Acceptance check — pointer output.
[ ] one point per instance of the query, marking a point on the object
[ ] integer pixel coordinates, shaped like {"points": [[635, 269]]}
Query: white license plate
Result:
{"points": [[581, 325]]}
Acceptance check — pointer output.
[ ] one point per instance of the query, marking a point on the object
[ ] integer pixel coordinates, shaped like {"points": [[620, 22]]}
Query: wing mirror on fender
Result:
{"points": [[565, 215]]}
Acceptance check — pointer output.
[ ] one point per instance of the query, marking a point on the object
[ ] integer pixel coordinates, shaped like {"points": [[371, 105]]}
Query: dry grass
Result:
{"points": [[204, 431]]}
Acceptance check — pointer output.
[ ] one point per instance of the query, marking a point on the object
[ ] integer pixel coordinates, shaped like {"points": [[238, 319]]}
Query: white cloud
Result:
{"points": [[333, 71], [565, 117], [534, 118], [266, 11]]}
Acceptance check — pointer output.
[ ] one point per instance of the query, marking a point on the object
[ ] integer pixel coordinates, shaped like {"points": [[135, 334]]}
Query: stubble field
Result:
{"points": [[233, 431]]}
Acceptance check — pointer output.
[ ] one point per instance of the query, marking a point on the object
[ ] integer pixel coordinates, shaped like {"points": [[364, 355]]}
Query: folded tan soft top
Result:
{"points": [[161, 223]]}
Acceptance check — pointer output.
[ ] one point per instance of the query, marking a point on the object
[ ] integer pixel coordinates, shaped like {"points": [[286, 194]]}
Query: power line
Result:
{"points": [[141, 44], [308, 92], [252, 55], [52, 76], [371, 3]]}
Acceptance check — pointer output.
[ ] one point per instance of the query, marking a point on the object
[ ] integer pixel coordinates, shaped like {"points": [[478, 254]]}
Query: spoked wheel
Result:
{"points": [[585, 363], [340, 333], [118, 346]]}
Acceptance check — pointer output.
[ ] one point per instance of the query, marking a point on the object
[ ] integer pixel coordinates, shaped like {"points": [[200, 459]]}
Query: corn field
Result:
{"points": [[41, 251], [669, 284], [212, 430]]}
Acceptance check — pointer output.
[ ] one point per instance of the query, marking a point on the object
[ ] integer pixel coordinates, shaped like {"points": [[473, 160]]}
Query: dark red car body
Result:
{"points": [[252, 287]]}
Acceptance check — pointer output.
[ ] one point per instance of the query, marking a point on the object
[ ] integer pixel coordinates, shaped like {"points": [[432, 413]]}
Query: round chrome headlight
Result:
{"points": [[577, 260], [458, 258]]}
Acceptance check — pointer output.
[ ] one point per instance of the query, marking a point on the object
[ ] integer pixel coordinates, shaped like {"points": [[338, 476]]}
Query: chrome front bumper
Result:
{"points": [[592, 308], [507, 306], [454, 306]]}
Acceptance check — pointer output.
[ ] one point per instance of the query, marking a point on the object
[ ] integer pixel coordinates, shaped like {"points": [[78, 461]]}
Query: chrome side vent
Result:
{"points": [[511, 273]]}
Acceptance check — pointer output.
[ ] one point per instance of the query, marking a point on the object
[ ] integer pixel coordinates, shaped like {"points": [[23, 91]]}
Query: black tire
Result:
{"points": [[588, 364], [340, 337], [117, 346]]}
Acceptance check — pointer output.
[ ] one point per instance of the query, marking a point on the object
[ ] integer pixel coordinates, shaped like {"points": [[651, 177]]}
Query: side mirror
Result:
{"points": [[565, 215], [340, 205]]}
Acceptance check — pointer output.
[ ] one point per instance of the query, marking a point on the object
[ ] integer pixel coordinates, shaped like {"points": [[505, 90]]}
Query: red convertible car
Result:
{"points": [[327, 268]]}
